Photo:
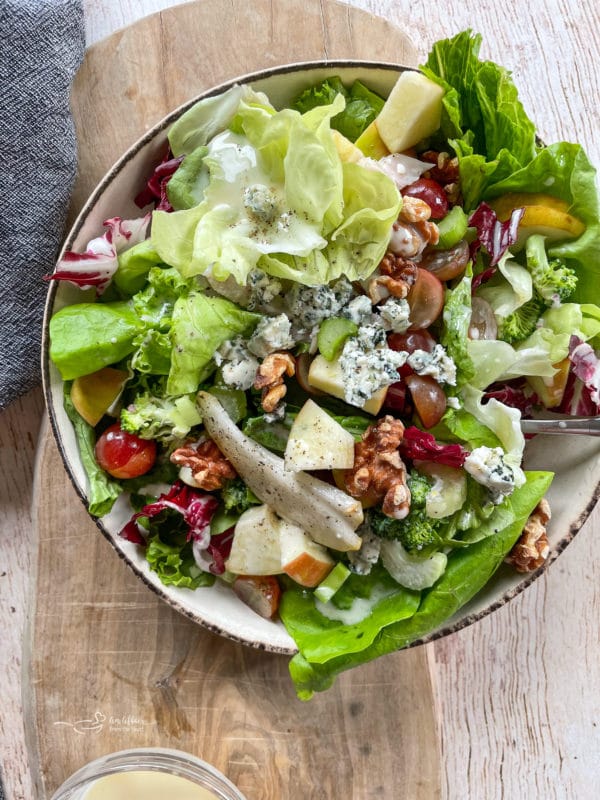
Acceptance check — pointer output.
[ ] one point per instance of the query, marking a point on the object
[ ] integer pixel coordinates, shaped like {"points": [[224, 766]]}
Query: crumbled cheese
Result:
{"points": [[238, 366], [271, 334], [395, 315], [308, 306], [453, 402], [263, 289], [261, 202], [359, 310], [488, 466], [361, 561], [368, 365], [438, 364]]}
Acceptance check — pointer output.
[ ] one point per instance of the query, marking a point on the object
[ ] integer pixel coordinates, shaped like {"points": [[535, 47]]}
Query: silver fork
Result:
{"points": [[589, 426]]}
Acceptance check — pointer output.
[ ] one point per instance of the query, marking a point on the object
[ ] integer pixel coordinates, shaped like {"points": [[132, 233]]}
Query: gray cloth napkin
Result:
{"points": [[41, 46]]}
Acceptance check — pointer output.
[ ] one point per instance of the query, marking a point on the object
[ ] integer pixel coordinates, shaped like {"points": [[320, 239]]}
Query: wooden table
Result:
{"points": [[518, 693]]}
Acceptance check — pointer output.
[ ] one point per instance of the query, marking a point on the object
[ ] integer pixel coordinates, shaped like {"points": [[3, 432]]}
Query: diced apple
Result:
{"points": [[261, 592], [346, 150], [317, 441], [412, 111], [93, 394], [551, 390], [371, 144], [305, 561], [255, 549], [328, 376]]}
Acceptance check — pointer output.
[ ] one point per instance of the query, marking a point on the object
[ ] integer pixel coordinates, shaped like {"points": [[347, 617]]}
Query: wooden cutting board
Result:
{"points": [[110, 666]]}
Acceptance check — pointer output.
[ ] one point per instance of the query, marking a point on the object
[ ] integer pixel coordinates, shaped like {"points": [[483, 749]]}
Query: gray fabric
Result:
{"points": [[41, 46]]}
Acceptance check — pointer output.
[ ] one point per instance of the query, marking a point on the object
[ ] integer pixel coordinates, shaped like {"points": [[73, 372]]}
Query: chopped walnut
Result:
{"points": [[446, 172], [414, 210], [379, 473], [208, 465], [269, 378], [532, 548], [396, 276]]}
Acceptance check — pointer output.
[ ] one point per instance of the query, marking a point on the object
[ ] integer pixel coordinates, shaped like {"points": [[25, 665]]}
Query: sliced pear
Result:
{"points": [[93, 394], [346, 150], [305, 561], [328, 376], [371, 144], [317, 441], [544, 214], [412, 112], [256, 549], [551, 390]]}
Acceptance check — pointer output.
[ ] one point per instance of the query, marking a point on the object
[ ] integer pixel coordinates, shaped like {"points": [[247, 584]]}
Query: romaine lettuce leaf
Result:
{"points": [[455, 328]]}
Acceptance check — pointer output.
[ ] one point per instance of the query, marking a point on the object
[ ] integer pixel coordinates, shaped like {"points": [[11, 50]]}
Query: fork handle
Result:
{"points": [[589, 426]]}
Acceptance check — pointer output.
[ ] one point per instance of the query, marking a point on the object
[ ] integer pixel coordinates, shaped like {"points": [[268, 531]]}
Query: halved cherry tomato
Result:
{"points": [[124, 455], [426, 299], [428, 397], [447, 264], [261, 592], [432, 193]]}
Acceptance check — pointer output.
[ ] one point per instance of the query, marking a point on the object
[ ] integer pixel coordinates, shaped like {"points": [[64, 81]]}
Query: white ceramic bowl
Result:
{"points": [[576, 461]]}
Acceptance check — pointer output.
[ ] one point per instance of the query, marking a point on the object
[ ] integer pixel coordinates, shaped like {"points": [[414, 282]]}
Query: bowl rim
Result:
{"points": [[111, 174]]}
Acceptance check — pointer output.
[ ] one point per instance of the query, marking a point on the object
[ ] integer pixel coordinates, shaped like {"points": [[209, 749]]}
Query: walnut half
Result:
{"points": [[209, 467], [269, 378], [532, 548]]}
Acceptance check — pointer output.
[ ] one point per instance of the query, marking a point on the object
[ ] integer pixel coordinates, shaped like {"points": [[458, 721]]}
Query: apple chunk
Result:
{"points": [[412, 112], [328, 376], [305, 561], [255, 549], [317, 441]]}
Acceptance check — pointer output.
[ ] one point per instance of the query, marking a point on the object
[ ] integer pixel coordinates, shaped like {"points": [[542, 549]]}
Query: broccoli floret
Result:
{"points": [[552, 280], [416, 531], [522, 322], [237, 497], [165, 419], [419, 487]]}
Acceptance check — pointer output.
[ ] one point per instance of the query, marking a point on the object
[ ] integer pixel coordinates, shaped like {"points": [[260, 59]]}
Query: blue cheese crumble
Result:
{"points": [[438, 364], [395, 315], [271, 334], [261, 202], [238, 365], [308, 306], [489, 467], [263, 290], [359, 310], [368, 365]]}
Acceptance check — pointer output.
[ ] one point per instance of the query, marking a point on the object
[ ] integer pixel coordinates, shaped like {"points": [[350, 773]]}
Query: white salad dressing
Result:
{"points": [[360, 609], [146, 785]]}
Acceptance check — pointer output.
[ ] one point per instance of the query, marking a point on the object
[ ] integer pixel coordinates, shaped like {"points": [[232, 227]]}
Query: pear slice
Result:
{"points": [[412, 112], [93, 394], [544, 214], [317, 441]]}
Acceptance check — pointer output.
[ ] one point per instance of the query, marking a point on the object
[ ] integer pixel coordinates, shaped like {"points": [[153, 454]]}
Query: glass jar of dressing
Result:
{"points": [[147, 774]]}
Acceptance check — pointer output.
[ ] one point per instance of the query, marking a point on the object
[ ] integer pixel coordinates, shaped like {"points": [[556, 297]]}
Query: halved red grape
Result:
{"points": [[426, 299], [428, 397], [483, 324], [124, 455], [447, 264]]}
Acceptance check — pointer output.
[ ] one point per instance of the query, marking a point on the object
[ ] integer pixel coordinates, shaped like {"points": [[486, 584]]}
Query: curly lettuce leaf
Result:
{"points": [[175, 566]]}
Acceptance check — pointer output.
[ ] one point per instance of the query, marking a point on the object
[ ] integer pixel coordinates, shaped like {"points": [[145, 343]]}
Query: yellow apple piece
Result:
{"points": [[371, 144], [93, 394], [317, 441], [544, 214], [347, 151], [255, 549], [328, 376], [412, 112], [305, 561], [551, 390]]}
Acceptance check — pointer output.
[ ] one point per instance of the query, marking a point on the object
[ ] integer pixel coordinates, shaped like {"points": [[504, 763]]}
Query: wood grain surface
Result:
{"points": [[111, 666], [518, 693]]}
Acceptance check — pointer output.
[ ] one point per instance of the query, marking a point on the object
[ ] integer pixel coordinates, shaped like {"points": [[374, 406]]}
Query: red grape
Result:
{"points": [[431, 193], [124, 455]]}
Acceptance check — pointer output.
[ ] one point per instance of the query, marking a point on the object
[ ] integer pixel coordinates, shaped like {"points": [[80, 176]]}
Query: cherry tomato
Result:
{"points": [[426, 299], [260, 592], [428, 397], [483, 323], [431, 193], [447, 264], [124, 455]]}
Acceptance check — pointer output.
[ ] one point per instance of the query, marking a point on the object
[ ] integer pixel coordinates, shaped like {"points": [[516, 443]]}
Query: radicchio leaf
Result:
{"points": [[514, 395], [577, 400], [196, 509], [95, 267], [494, 235], [421, 446], [156, 188], [586, 366]]}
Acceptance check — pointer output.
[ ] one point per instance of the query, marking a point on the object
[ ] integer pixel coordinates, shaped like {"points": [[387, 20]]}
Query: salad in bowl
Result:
{"points": [[294, 383]]}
